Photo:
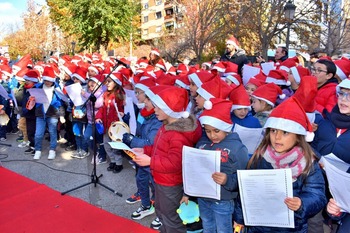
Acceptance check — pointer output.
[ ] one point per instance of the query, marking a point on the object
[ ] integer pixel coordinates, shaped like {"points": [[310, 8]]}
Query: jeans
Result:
{"points": [[216, 215], [40, 131], [79, 137], [99, 139], [143, 179]]}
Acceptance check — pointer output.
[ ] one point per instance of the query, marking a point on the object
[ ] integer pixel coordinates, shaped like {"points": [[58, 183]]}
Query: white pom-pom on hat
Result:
{"points": [[288, 83], [185, 114], [309, 137], [282, 96], [208, 104]]}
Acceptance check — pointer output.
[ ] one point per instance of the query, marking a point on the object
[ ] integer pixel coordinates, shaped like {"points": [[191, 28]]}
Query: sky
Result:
{"points": [[11, 12]]}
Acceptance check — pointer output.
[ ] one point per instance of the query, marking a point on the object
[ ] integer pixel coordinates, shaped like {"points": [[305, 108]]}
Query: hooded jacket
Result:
{"points": [[166, 152]]}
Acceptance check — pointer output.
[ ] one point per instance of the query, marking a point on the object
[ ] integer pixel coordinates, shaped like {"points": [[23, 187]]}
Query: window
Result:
{"points": [[158, 28], [145, 6], [158, 2], [158, 15], [145, 19]]}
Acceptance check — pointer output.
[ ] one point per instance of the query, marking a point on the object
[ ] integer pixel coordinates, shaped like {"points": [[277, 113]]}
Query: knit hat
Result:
{"points": [[155, 51], [233, 41], [32, 75], [183, 81], [344, 84], [173, 101], [216, 88], [218, 116], [239, 98], [81, 74], [298, 72], [279, 77], [343, 68], [145, 84], [290, 116], [306, 93], [49, 74], [289, 63], [269, 93], [200, 77]]}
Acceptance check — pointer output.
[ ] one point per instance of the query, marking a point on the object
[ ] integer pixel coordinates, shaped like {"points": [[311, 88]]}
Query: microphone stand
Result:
{"points": [[95, 179]]}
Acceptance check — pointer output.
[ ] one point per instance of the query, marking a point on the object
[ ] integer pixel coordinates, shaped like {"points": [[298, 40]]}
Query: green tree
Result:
{"points": [[95, 23]]}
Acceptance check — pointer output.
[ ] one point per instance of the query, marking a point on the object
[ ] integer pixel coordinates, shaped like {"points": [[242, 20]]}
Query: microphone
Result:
{"points": [[119, 62]]}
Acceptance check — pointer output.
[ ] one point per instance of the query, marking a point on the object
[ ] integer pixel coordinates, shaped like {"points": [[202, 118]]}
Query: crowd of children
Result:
{"points": [[303, 112]]}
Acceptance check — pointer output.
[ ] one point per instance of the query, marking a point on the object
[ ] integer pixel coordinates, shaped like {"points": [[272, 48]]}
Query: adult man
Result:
{"points": [[234, 54], [281, 54]]}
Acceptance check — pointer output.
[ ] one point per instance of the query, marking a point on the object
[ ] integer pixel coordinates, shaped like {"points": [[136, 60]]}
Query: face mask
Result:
{"points": [[140, 105]]}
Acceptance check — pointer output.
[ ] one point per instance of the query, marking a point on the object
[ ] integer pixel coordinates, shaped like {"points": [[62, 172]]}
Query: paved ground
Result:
{"points": [[65, 173]]}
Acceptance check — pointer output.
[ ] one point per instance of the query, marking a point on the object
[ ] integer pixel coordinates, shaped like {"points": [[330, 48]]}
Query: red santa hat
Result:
{"points": [[218, 115], [235, 78], [160, 64], [269, 93], [343, 68], [216, 88], [20, 74], [142, 62], [145, 84], [306, 93], [173, 101], [53, 59], [23, 62], [155, 51], [231, 68], [298, 72], [239, 98], [183, 81], [290, 116], [81, 73], [69, 68], [200, 77], [182, 69], [32, 75], [6, 70], [3, 60], [117, 78], [166, 79], [220, 67], [255, 81], [152, 91], [279, 77], [289, 63], [233, 41], [94, 79], [49, 74], [172, 70]]}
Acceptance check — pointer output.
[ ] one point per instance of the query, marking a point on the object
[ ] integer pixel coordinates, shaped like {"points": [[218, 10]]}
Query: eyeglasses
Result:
{"points": [[341, 95], [317, 71], [139, 92]]}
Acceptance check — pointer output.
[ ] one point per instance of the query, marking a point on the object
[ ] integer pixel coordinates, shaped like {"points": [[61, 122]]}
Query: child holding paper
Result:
{"points": [[165, 155], [343, 218], [285, 146], [217, 214]]}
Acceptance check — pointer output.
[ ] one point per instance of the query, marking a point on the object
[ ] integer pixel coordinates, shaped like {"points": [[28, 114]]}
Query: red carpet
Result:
{"points": [[27, 206]]}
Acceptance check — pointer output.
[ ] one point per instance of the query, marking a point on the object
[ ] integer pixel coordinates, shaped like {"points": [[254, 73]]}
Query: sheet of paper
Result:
{"points": [[250, 137], [262, 196], [197, 169], [129, 108], [14, 99], [267, 66], [39, 94], [338, 179], [60, 94], [74, 93], [3, 92], [248, 72]]}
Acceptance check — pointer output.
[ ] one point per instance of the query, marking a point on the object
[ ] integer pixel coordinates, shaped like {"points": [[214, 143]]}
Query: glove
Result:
{"points": [[126, 118], [62, 120], [127, 138]]}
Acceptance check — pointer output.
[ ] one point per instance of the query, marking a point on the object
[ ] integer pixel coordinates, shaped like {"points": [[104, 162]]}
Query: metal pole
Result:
{"points": [[288, 35]]}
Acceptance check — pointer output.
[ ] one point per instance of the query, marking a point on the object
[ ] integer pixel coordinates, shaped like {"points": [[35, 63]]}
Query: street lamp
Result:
{"points": [[73, 47], [289, 11]]}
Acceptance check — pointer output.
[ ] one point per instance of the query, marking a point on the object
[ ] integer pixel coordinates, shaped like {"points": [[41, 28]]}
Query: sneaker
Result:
{"points": [[156, 224], [30, 150], [3, 139], [76, 154], [142, 212], [118, 168], [52, 155], [101, 161], [23, 144], [71, 147], [133, 199], [83, 154], [19, 139], [37, 155], [111, 167]]}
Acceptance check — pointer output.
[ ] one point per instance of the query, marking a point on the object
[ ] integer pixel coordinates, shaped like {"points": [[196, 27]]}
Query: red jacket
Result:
{"points": [[326, 97], [166, 152], [107, 113]]}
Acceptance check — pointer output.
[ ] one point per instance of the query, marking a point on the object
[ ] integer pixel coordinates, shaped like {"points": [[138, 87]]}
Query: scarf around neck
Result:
{"points": [[293, 159], [341, 121], [145, 113]]}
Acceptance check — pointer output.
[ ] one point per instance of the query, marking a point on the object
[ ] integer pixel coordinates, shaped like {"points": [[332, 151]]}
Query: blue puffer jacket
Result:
{"points": [[146, 132], [234, 156], [249, 121], [311, 191], [55, 109], [322, 143]]}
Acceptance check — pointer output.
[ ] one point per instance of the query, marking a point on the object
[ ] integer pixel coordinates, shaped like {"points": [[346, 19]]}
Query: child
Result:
{"points": [[343, 218], [285, 146], [253, 84], [165, 156], [280, 78], [113, 103], [264, 99], [216, 215], [48, 113]]}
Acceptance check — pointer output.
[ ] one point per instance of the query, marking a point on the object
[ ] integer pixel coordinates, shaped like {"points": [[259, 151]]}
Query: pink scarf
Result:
{"points": [[293, 159]]}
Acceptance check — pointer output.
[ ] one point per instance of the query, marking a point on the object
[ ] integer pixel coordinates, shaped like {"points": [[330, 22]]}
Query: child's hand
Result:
{"points": [[237, 227], [98, 121], [2, 112], [219, 178], [333, 208], [142, 160], [293, 203], [138, 150], [184, 199]]}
